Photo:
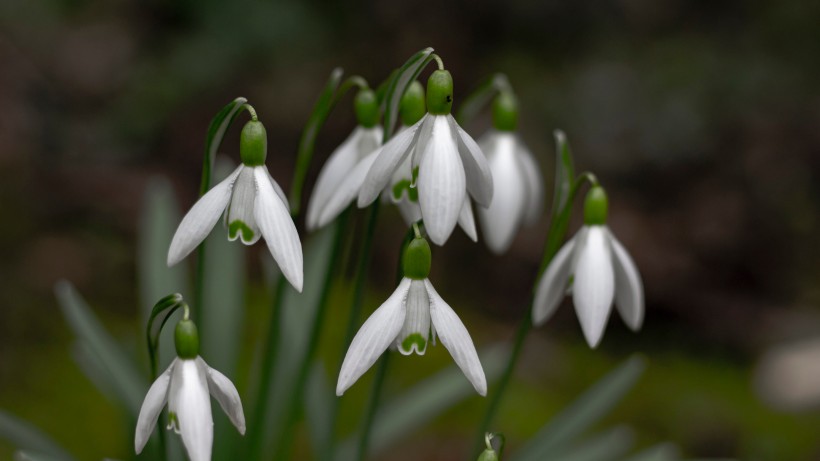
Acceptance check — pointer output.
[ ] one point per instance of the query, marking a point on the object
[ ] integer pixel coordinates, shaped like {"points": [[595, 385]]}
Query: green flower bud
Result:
{"points": [[186, 339], [253, 144], [440, 92], [595, 207], [366, 106], [416, 259], [412, 108], [505, 112], [488, 455]]}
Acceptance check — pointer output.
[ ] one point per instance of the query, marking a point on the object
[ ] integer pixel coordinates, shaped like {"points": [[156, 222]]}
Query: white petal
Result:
{"points": [[390, 157], [278, 229], [479, 176], [593, 288], [456, 339], [190, 401], [197, 224], [239, 215], [374, 337], [467, 221], [410, 211], [278, 190], [534, 182], [340, 162], [552, 285], [629, 299], [501, 220], [441, 183], [155, 399], [416, 321], [223, 390], [347, 191], [424, 136]]}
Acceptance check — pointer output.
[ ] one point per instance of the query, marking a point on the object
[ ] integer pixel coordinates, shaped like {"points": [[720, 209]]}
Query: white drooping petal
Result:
{"points": [[415, 332], [593, 288], [278, 189], [479, 176], [629, 298], [441, 182], [466, 220], [553, 283], [360, 142], [201, 218], [374, 337], [501, 220], [424, 136], [534, 183], [410, 211], [239, 215], [155, 399], [456, 339], [223, 390], [347, 191], [277, 227], [391, 155], [189, 401]]}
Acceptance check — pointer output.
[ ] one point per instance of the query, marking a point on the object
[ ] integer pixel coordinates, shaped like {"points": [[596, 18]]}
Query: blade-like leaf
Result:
{"points": [[34, 456], [660, 452], [130, 385], [398, 85], [480, 97], [610, 445], [564, 172], [318, 398], [216, 131], [25, 436], [583, 412]]}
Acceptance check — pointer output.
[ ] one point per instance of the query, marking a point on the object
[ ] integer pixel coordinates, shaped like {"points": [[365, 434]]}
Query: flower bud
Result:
{"points": [[595, 207], [505, 112], [186, 339], [417, 259], [440, 92], [253, 143], [366, 106], [411, 107]]}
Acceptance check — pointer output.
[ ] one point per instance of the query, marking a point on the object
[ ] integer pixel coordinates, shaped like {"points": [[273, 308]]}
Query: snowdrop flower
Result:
{"points": [[599, 271], [185, 387], [254, 206], [409, 319], [365, 138], [450, 164], [519, 191]]}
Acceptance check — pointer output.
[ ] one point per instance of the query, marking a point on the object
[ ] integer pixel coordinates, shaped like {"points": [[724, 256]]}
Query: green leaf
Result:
{"points": [[307, 142], [129, 383], [398, 85], [584, 412], [564, 172], [216, 131], [610, 445], [25, 436], [425, 401], [480, 97], [318, 399], [660, 452], [34, 456]]}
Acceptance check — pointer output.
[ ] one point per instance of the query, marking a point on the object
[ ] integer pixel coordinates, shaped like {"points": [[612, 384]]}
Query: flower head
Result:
{"points": [[185, 387], [410, 318], [254, 206], [599, 272]]}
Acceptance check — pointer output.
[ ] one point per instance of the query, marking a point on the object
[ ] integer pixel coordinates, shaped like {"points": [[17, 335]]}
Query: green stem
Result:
{"points": [[372, 405]]}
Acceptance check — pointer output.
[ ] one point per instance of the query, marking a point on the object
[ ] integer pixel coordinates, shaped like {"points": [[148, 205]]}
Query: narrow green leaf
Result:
{"points": [[480, 97], [216, 131], [129, 383], [398, 85], [660, 452], [318, 399], [610, 445], [25, 436], [564, 172], [34, 456], [593, 404], [307, 142]]}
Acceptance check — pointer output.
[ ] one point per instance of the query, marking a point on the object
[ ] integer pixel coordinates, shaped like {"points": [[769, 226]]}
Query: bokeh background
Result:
{"points": [[701, 118]]}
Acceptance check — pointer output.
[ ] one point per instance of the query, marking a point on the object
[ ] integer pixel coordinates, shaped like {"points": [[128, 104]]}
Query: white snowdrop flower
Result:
{"points": [[450, 164], [598, 270], [410, 318], [186, 387], [254, 206], [334, 180], [519, 191]]}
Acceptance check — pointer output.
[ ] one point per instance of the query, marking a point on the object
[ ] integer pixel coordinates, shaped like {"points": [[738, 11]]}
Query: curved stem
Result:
{"points": [[438, 61]]}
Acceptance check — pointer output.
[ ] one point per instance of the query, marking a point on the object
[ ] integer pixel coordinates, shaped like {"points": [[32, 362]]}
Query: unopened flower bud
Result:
{"points": [[440, 93], [366, 106], [417, 259], [595, 207], [253, 143], [186, 339]]}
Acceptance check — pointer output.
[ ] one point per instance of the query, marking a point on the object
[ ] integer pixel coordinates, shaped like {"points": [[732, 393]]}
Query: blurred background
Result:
{"points": [[701, 118]]}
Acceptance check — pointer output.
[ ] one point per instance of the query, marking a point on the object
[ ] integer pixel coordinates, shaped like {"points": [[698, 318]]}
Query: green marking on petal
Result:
{"points": [[239, 226], [418, 340], [399, 187]]}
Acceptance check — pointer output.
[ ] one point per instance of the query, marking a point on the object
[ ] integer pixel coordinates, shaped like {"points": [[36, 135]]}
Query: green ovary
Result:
{"points": [[418, 340], [238, 226]]}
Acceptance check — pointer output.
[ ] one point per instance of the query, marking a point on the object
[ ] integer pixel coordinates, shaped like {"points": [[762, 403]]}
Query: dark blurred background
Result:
{"points": [[701, 118]]}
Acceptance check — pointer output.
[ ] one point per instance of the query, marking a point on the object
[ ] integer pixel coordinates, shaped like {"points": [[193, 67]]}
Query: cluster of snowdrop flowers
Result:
{"points": [[186, 387], [598, 271], [411, 318]]}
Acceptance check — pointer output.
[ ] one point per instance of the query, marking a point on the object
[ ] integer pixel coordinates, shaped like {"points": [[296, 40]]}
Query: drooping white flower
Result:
{"points": [[598, 271], [410, 318], [254, 206], [450, 164]]}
